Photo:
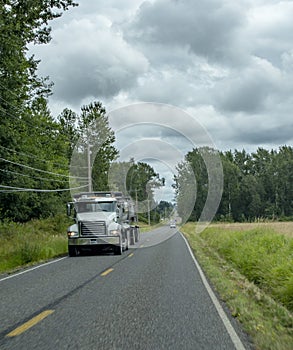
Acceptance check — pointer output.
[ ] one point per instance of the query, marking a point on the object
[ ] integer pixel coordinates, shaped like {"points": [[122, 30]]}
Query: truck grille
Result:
{"points": [[92, 228]]}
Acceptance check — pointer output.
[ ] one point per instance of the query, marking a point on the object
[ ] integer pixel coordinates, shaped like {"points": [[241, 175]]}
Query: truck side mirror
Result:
{"points": [[68, 208]]}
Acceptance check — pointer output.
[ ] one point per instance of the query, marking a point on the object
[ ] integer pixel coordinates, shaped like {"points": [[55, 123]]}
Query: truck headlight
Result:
{"points": [[72, 234], [115, 232]]}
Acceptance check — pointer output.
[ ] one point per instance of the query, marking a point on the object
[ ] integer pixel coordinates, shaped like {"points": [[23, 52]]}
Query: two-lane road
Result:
{"points": [[149, 298]]}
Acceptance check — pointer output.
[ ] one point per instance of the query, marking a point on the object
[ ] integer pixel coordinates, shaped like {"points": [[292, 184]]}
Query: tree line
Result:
{"points": [[257, 185], [36, 149]]}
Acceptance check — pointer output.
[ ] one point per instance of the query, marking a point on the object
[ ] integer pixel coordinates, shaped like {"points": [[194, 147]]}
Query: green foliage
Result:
{"points": [[32, 148], [141, 180], [89, 133], [267, 322], [165, 209], [38, 162], [23, 244], [264, 257], [257, 185], [138, 180]]}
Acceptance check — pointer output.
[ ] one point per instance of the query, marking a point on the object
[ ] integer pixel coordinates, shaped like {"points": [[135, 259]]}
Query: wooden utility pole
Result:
{"points": [[149, 213], [89, 169]]}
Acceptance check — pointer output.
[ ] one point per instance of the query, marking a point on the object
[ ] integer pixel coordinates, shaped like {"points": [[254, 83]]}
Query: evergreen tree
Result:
{"points": [[89, 140], [28, 135]]}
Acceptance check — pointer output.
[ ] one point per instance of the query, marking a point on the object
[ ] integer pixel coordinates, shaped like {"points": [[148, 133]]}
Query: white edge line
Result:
{"points": [[31, 269], [231, 331]]}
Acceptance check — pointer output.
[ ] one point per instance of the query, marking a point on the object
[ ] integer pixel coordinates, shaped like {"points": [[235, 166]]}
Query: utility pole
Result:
{"points": [[149, 213], [89, 169], [136, 202]]}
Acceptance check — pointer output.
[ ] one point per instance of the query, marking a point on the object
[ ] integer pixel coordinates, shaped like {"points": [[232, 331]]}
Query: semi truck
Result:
{"points": [[103, 220]]}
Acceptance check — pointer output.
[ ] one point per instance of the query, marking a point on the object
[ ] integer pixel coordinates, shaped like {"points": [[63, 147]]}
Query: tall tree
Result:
{"points": [[24, 117], [256, 185], [90, 143], [139, 181]]}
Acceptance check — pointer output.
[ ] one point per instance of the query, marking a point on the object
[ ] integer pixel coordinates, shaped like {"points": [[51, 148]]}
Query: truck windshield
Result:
{"points": [[90, 207]]}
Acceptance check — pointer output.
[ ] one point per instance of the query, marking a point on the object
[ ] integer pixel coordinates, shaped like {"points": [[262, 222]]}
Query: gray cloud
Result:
{"points": [[206, 28], [87, 58], [248, 90], [228, 63]]}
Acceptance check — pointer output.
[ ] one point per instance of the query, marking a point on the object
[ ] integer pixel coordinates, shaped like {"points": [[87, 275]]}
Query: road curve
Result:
{"points": [[148, 298]]}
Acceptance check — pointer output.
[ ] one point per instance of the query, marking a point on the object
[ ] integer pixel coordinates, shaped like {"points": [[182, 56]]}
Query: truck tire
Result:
{"points": [[72, 250], [128, 238], [118, 250], [136, 234], [132, 238]]}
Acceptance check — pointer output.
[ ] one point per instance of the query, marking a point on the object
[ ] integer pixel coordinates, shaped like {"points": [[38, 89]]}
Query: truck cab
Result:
{"points": [[98, 224]]}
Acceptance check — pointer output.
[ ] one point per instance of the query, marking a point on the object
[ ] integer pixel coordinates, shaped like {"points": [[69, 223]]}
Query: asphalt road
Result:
{"points": [[148, 298]]}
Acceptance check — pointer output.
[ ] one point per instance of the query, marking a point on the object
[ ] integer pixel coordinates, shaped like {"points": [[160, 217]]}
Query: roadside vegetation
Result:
{"points": [[256, 186], [252, 270], [35, 241]]}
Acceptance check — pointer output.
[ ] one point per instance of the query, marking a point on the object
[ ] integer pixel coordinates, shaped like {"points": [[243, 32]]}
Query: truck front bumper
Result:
{"points": [[95, 241]]}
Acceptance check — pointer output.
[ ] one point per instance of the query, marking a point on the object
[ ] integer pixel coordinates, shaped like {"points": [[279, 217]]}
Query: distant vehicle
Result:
{"points": [[172, 225]]}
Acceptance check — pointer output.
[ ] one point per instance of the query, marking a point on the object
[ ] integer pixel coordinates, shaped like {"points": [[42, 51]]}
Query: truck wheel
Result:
{"points": [[72, 250], [136, 234], [132, 238], [118, 250]]}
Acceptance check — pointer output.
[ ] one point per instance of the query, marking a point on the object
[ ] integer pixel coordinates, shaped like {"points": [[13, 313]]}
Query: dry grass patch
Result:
{"points": [[285, 228]]}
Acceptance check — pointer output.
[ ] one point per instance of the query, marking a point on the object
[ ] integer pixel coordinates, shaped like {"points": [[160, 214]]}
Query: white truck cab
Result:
{"points": [[98, 223]]}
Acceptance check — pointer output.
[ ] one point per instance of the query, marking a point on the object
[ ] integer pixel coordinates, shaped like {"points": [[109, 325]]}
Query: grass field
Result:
{"points": [[285, 228], [35, 241], [251, 266]]}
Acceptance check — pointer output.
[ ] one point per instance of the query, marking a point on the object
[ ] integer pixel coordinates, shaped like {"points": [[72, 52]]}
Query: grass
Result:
{"points": [[252, 269], [35, 241], [285, 228]]}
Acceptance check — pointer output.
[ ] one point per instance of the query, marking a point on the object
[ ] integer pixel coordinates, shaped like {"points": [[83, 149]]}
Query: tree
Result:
{"points": [[22, 22], [24, 117], [257, 185], [68, 129], [40, 164], [228, 209], [138, 180], [165, 209], [283, 181], [198, 184], [93, 148], [118, 176], [186, 191]]}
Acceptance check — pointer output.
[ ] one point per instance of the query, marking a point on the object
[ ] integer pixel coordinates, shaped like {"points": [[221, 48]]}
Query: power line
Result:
{"points": [[33, 177], [21, 189], [42, 171], [30, 155]]}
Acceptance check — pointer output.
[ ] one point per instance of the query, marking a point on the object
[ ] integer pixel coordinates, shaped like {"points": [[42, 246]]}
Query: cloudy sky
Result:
{"points": [[227, 63]]}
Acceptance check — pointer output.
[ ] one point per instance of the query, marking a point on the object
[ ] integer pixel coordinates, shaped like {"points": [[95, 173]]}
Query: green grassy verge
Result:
{"points": [[252, 272], [35, 241]]}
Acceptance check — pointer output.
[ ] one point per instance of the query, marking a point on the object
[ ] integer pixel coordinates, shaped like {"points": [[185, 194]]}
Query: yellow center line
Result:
{"points": [[30, 323], [130, 255], [105, 273]]}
